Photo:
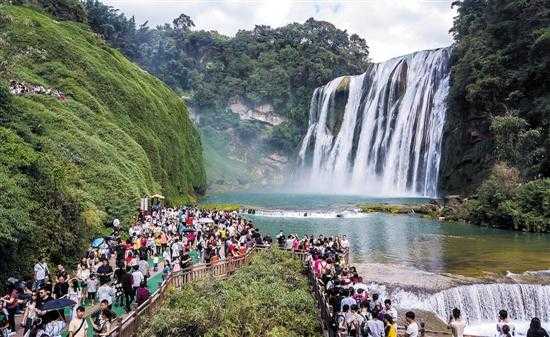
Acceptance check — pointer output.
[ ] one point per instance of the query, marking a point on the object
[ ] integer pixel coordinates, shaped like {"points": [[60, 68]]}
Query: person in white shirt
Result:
{"points": [[344, 243], [375, 325], [54, 328], [105, 292], [412, 327], [347, 300], [137, 278], [40, 273], [389, 310], [456, 323], [78, 327]]}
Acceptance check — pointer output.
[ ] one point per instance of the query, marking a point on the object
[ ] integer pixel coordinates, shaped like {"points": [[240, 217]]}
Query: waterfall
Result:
{"points": [[481, 302], [386, 139]]}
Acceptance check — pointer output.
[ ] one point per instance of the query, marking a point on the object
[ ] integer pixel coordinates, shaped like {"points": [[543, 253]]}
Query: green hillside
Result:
{"points": [[69, 165]]}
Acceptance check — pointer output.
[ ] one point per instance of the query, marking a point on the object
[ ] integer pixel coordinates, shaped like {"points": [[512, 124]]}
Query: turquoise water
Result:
{"points": [[425, 244]]}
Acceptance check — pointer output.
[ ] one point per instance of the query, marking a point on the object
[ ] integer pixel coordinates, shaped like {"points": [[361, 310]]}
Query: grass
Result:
{"points": [[223, 172], [425, 209], [67, 167], [269, 297]]}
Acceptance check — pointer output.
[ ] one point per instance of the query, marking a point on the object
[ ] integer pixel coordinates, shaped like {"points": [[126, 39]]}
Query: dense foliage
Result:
{"points": [[499, 110], [69, 165], [503, 201], [270, 297], [280, 66]]}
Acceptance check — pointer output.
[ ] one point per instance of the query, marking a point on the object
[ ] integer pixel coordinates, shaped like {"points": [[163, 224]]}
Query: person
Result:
{"points": [[412, 327], [375, 304], [10, 303], [40, 273], [126, 282], [61, 272], [389, 310], [348, 299], [341, 324], [390, 326], [104, 271], [61, 287], [30, 314], [78, 327], [137, 278], [4, 323], [106, 293], [503, 320], [102, 326], [536, 329], [83, 274], [143, 266], [456, 324], [74, 294], [505, 331], [142, 293], [92, 283], [375, 326], [53, 328], [354, 321]]}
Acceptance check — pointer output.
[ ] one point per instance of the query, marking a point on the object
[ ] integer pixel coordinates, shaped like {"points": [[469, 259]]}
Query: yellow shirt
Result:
{"points": [[393, 330]]}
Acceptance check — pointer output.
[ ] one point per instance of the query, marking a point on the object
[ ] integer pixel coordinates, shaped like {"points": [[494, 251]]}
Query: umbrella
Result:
{"points": [[157, 196], [97, 242], [58, 304]]}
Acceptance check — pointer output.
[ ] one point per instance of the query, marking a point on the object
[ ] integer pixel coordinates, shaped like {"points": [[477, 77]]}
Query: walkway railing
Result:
{"points": [[326, 310], [130, 324]]}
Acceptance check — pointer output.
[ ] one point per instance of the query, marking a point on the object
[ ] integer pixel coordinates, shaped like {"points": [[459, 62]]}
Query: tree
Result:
{"points": [[183, 23]]}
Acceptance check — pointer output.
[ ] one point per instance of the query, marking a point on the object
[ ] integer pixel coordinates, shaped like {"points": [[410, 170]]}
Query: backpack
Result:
{"points": [[354, 328], [341, 322], [364, 327]]}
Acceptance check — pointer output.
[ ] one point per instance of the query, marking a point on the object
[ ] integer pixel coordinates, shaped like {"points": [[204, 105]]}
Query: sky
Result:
{"points": [[390, 27]]}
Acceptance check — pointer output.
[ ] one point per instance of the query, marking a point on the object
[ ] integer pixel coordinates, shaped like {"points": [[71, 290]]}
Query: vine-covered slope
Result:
{"points": [[98, 134]]}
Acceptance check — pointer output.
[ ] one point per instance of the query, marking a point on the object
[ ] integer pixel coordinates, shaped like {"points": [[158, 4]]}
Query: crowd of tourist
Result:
{"points": [[23, 88], [359, 313], [115, 271]]}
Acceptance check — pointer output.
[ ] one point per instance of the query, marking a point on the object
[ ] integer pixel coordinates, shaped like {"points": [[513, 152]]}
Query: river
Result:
{"points": [[423, 263]]}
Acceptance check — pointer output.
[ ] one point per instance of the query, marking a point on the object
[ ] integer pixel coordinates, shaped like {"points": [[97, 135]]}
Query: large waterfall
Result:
{"points": [[384, 135]]}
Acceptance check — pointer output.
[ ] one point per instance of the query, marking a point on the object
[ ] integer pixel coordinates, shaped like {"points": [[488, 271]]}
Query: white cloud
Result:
{"points": [[391, 27]]}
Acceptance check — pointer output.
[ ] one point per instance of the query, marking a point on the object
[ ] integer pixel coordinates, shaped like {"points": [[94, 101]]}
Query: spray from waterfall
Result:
{"points": [[387, 138]]}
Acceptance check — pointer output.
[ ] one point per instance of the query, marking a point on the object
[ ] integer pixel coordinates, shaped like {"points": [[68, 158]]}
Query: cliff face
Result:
{"points": [[236, 150], [467, 151], [84, 133]]}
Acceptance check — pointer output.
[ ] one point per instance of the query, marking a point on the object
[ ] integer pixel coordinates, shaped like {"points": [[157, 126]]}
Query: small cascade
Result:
{"points": [[387, 137], [482, 302]]}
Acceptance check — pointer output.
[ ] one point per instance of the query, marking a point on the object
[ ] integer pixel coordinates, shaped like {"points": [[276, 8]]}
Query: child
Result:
{"points": [[92, 283]]}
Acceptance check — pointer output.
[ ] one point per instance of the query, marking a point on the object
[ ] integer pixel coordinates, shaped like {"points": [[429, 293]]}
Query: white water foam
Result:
{"points": [[479, 304], [311, 214]]}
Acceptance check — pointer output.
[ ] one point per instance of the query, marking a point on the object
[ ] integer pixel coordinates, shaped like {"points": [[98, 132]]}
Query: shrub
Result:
{"points": [[269, 297], [503, 201]]}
